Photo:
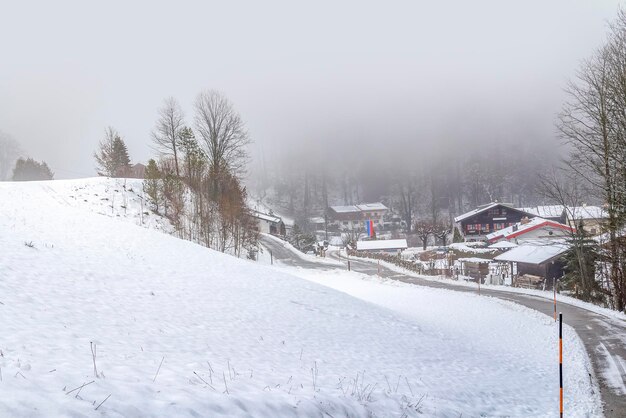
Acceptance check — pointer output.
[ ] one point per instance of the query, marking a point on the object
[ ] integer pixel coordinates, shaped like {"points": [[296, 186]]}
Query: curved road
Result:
{"points": [[604, 337]]}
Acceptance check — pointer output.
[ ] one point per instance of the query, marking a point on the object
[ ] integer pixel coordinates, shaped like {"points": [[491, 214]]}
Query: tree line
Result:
{"points": [[196, 179], [426, 193], [17, 168]]}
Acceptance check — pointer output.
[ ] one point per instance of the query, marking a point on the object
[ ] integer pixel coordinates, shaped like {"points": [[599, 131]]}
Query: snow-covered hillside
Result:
{"points": [[180, 330]]}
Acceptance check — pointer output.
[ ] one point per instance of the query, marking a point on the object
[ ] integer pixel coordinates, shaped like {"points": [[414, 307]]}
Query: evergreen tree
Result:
{"points": [[301, 240], [120, 157], [29, 170], [457, 237], [580, 266], [112, 156], [151, 184]]}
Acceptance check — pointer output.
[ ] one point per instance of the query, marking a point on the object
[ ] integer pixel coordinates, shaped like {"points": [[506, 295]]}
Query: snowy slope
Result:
{"points": [[235, 338]]}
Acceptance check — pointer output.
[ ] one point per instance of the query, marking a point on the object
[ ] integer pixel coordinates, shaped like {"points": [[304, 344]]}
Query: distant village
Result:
{"points": [[495, 243]]}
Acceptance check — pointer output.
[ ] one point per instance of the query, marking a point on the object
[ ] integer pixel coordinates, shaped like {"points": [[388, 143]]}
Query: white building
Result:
{"points": [[383, 245], [269, 224], [353, 217], [530, 230]]}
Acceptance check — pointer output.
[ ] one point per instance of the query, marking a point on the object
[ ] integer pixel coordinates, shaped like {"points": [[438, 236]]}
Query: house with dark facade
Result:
{"points": [[478, 223]]}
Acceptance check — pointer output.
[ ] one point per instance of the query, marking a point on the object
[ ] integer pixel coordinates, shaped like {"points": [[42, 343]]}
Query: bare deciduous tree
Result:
{"points": [[223, 134], [104, 156], [593, 123], [167, 133], [423, 230]]}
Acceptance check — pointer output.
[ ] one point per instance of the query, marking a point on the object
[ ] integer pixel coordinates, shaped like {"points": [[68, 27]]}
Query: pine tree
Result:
{"points": [[30, 170], [120, 157], [151, 184], [112, 156], [457, 237], [580, 266]]}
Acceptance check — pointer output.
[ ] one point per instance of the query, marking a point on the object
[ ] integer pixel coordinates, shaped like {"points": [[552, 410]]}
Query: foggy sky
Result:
{"points": [[354, 75]]}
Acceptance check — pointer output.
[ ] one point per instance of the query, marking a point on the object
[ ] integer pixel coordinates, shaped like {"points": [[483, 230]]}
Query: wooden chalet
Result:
{"points": [[478, 223]]}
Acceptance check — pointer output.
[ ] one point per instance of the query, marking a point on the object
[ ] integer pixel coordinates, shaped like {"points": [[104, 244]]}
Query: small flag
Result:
{"points": [[369, 228]]}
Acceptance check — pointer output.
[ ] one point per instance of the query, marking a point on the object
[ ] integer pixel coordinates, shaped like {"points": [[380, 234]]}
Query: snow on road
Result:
{"points": [[181, 330]]}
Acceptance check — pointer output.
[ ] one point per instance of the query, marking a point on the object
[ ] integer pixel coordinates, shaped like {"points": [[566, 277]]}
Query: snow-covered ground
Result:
{"points": [[180, 330]]}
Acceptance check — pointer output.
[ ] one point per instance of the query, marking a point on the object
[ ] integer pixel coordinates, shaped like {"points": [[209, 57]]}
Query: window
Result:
{"points": [[493, 211]]}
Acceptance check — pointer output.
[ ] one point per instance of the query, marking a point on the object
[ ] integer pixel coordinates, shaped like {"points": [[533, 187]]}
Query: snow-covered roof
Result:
{"points": [[534, 253], [345, 209], [503, 244], [317, 220], [359, 208], [522, 228], [481, 209], [383, 244], [266, 217], [546, 211], [257, 205], [371, 206], [588, 212]]}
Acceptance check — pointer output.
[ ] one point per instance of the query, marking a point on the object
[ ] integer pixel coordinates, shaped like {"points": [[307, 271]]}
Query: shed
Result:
{"points": [[537, 259], [382, 245]]}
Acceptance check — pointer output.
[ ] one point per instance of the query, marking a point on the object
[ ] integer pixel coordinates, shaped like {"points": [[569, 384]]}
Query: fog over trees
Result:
{"points": [[417, 181]]}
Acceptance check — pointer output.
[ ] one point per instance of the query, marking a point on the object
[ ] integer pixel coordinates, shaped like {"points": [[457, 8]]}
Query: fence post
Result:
{"points": [[271, 257], [561, 364]]}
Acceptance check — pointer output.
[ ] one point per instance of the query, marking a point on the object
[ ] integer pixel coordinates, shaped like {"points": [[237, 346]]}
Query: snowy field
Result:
{"points": [[155, 326]]}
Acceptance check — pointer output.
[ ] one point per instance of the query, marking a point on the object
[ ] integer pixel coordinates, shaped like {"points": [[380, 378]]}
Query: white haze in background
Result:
{"points": [[355, 74]]}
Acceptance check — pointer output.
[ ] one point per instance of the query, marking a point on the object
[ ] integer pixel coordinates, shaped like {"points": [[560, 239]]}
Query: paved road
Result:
{"points": [[287, 256], [603, 337]]}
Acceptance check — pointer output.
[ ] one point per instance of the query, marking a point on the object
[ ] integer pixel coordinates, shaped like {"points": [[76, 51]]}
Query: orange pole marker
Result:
{"points": [[561, 364]]}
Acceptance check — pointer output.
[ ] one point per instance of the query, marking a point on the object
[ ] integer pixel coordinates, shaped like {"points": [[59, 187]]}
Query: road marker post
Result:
{"points": [[271, 257], [378, 268], [560, 364]]}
